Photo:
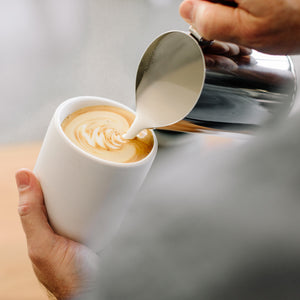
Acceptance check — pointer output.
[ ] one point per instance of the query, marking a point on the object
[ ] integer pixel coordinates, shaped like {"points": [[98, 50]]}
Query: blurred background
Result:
{"points": [[52, 50]]}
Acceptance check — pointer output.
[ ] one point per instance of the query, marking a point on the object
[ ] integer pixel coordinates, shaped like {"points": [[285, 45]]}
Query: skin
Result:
{"points": [[63, 266], [226, 56], [67, 268], [271, 26]]}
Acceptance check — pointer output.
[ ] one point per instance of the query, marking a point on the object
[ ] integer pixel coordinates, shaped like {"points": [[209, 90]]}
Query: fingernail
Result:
{"points": [[186, 10], [23, 180]]}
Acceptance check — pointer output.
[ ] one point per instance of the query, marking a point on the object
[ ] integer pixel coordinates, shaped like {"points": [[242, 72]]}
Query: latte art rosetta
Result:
{"points": [[106, 138], [99, 130]]}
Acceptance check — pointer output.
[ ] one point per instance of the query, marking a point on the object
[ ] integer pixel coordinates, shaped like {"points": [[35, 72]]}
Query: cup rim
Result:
{"points": [[81, 99]]}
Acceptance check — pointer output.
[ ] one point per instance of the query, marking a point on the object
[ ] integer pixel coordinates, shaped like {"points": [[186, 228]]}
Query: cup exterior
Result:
{"points": [[86, 197]]}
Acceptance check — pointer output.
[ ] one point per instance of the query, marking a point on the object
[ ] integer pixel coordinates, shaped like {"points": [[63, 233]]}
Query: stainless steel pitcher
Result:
{"points": [[241, 93]]}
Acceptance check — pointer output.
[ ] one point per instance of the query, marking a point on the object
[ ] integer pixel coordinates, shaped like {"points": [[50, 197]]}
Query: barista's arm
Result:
{"points": [[269, 26]]}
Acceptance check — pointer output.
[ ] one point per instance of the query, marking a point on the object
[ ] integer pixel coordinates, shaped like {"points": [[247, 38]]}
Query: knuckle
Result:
{"points": [[27, 207], [24, 209]]}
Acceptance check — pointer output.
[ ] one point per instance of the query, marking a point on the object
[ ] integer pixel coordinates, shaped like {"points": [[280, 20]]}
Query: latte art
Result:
{"points": [[106, 138], [99, 130]]}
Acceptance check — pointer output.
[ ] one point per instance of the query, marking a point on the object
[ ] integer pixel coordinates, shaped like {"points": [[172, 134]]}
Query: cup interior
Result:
{"points": [[74, 104]]}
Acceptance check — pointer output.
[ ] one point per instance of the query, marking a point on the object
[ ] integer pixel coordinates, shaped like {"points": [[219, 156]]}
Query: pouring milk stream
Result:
{"points": [[169, 81]]}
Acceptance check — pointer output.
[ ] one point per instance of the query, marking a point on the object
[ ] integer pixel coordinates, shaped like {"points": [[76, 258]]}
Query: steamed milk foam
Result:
{"points": [[98, 130]]}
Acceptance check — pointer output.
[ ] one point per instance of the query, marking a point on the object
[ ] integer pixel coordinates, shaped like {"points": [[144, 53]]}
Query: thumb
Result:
{"points": [[213, 21], [31, 209]]}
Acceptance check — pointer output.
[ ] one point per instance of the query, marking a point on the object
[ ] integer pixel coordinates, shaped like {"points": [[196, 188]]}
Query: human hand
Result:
{"points": [[269, 26], [226, 56], [66, 268]]}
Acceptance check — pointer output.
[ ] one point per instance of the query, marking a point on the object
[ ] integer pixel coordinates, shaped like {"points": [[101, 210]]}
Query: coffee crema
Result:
{"points": [[98, 130]]}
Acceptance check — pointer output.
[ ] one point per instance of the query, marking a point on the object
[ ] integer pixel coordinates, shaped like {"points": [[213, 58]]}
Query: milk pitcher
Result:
{"points": [[241, 93]]}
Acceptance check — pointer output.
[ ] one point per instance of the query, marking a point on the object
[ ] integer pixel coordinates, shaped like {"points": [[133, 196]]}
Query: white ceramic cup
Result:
{"points": [[86, 197]]}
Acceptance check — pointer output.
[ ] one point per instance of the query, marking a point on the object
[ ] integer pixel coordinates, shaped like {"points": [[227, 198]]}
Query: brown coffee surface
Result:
{"points": [[98, 130]]}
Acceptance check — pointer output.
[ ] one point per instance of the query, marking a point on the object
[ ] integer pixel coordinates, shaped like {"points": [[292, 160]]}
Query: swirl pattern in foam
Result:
{"points": [[99, 129]]}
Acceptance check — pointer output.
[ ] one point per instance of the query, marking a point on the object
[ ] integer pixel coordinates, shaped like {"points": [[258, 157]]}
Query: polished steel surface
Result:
{"points": [[241, 92]]}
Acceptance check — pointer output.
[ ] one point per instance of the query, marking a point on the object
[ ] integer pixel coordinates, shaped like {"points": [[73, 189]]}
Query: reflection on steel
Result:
{"points": [[241, 92]]}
